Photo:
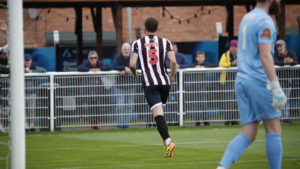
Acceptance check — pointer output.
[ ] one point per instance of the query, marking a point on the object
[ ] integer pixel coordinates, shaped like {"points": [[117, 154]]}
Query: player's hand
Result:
{"points": [[3, 26], [172, 78], [27, 69], [177, 66], [136, 75], [127, 70], [122, 73], [279, 98]]}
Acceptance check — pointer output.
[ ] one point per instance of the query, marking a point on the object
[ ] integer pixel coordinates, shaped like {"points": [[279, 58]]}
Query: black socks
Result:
{"points": [[162, 126]]}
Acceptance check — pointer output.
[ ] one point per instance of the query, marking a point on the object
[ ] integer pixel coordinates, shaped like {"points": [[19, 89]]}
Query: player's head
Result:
{"points": [[126, 50], [200, 57], [274, 6], [27, 60], [151, 25], [175, 48], [280, 46], [233, 46], [93, 57]]}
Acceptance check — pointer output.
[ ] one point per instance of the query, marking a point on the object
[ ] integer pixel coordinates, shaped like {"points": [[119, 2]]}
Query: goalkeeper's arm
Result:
{"points": [[279, 98]]}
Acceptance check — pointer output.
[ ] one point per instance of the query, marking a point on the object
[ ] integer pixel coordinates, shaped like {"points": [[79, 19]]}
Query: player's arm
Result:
{"points": [[266, 33], [133, 58], [132, 64], [279, 98], [267, 60], [173, 64], [171, 57]]}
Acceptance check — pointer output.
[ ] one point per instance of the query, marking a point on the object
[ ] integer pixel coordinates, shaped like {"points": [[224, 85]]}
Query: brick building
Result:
{"points": [[201, 28]]}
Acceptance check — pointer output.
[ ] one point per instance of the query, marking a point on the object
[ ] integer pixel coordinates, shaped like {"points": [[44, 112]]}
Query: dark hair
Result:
{"points": [[151, 24], [263, 1], [200, 53], [174, 44]]}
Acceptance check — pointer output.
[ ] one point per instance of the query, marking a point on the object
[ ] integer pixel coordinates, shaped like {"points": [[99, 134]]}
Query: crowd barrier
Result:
{"points": [[57, 100]]}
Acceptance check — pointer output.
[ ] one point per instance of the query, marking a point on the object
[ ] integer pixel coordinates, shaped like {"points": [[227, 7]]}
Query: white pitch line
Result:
{"points": [[139, 145], [70, 134], [139, 165]]}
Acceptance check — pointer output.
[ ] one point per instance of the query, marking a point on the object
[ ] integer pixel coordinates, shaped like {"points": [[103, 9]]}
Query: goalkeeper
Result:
{"points": [[258, 92]]}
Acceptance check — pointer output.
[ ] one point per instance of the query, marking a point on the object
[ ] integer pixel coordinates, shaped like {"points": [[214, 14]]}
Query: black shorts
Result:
{"points": [[157, 95]]}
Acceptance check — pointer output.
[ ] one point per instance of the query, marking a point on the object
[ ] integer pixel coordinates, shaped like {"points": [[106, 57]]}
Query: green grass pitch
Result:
{"points": [[196, 148]]}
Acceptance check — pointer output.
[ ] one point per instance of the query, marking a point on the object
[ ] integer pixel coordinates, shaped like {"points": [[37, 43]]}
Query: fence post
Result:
{"points": [[51, 102], [180, 97]]}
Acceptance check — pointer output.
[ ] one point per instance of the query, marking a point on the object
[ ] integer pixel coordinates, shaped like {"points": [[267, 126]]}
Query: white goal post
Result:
{"points": [[16, 59]]}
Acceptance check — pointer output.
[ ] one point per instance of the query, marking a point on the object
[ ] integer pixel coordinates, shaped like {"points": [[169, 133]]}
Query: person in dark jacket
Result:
{"points": [[30, 90], [200, 87], [125, 93], [180, 58], [181, 64], [3, 70], [94, 92], [93, 64], [283, 57], [200, 58]]}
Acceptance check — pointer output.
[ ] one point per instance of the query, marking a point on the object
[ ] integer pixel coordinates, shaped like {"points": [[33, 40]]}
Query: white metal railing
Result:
{"points": [[79, 99]]}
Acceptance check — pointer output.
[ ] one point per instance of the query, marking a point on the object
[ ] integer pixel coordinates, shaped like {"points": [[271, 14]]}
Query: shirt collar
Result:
{"points": [[286, 52]]}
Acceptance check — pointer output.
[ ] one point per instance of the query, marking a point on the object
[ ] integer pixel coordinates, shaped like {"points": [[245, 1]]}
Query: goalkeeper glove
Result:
{"points": [[279, 98]]}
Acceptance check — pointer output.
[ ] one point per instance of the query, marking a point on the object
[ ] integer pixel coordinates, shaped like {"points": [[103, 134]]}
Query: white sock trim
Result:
{"points": [[157, 104], [221, 167], [168, 141]]}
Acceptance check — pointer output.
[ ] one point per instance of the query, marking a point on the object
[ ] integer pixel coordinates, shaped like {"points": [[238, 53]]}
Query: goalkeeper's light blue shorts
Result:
{"points": [[254, 101]]}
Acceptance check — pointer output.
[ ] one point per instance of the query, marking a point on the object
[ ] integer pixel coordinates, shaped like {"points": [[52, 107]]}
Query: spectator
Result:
{"points": [[30, 92], [229, 59], [282, 57], [200, 58], [180, 58], [200, 87], [125, 90], [181, 63], [4, 29], [3, 70], [93, 100]]}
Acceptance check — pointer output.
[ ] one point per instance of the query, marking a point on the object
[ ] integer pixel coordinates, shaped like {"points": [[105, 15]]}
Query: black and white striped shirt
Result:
{"points": [[152, 51]]}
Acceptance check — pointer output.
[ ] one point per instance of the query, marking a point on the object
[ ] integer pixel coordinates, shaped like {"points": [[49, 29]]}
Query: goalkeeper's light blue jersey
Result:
{"points": [[256, 27]]}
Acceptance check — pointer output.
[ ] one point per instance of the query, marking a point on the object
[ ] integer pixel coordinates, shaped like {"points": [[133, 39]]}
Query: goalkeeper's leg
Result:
{"points": [[273, 142], [238, 145]]}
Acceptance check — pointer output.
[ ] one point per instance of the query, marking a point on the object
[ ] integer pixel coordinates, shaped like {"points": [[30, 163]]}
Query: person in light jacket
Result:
{"points": [[229, 59]]}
